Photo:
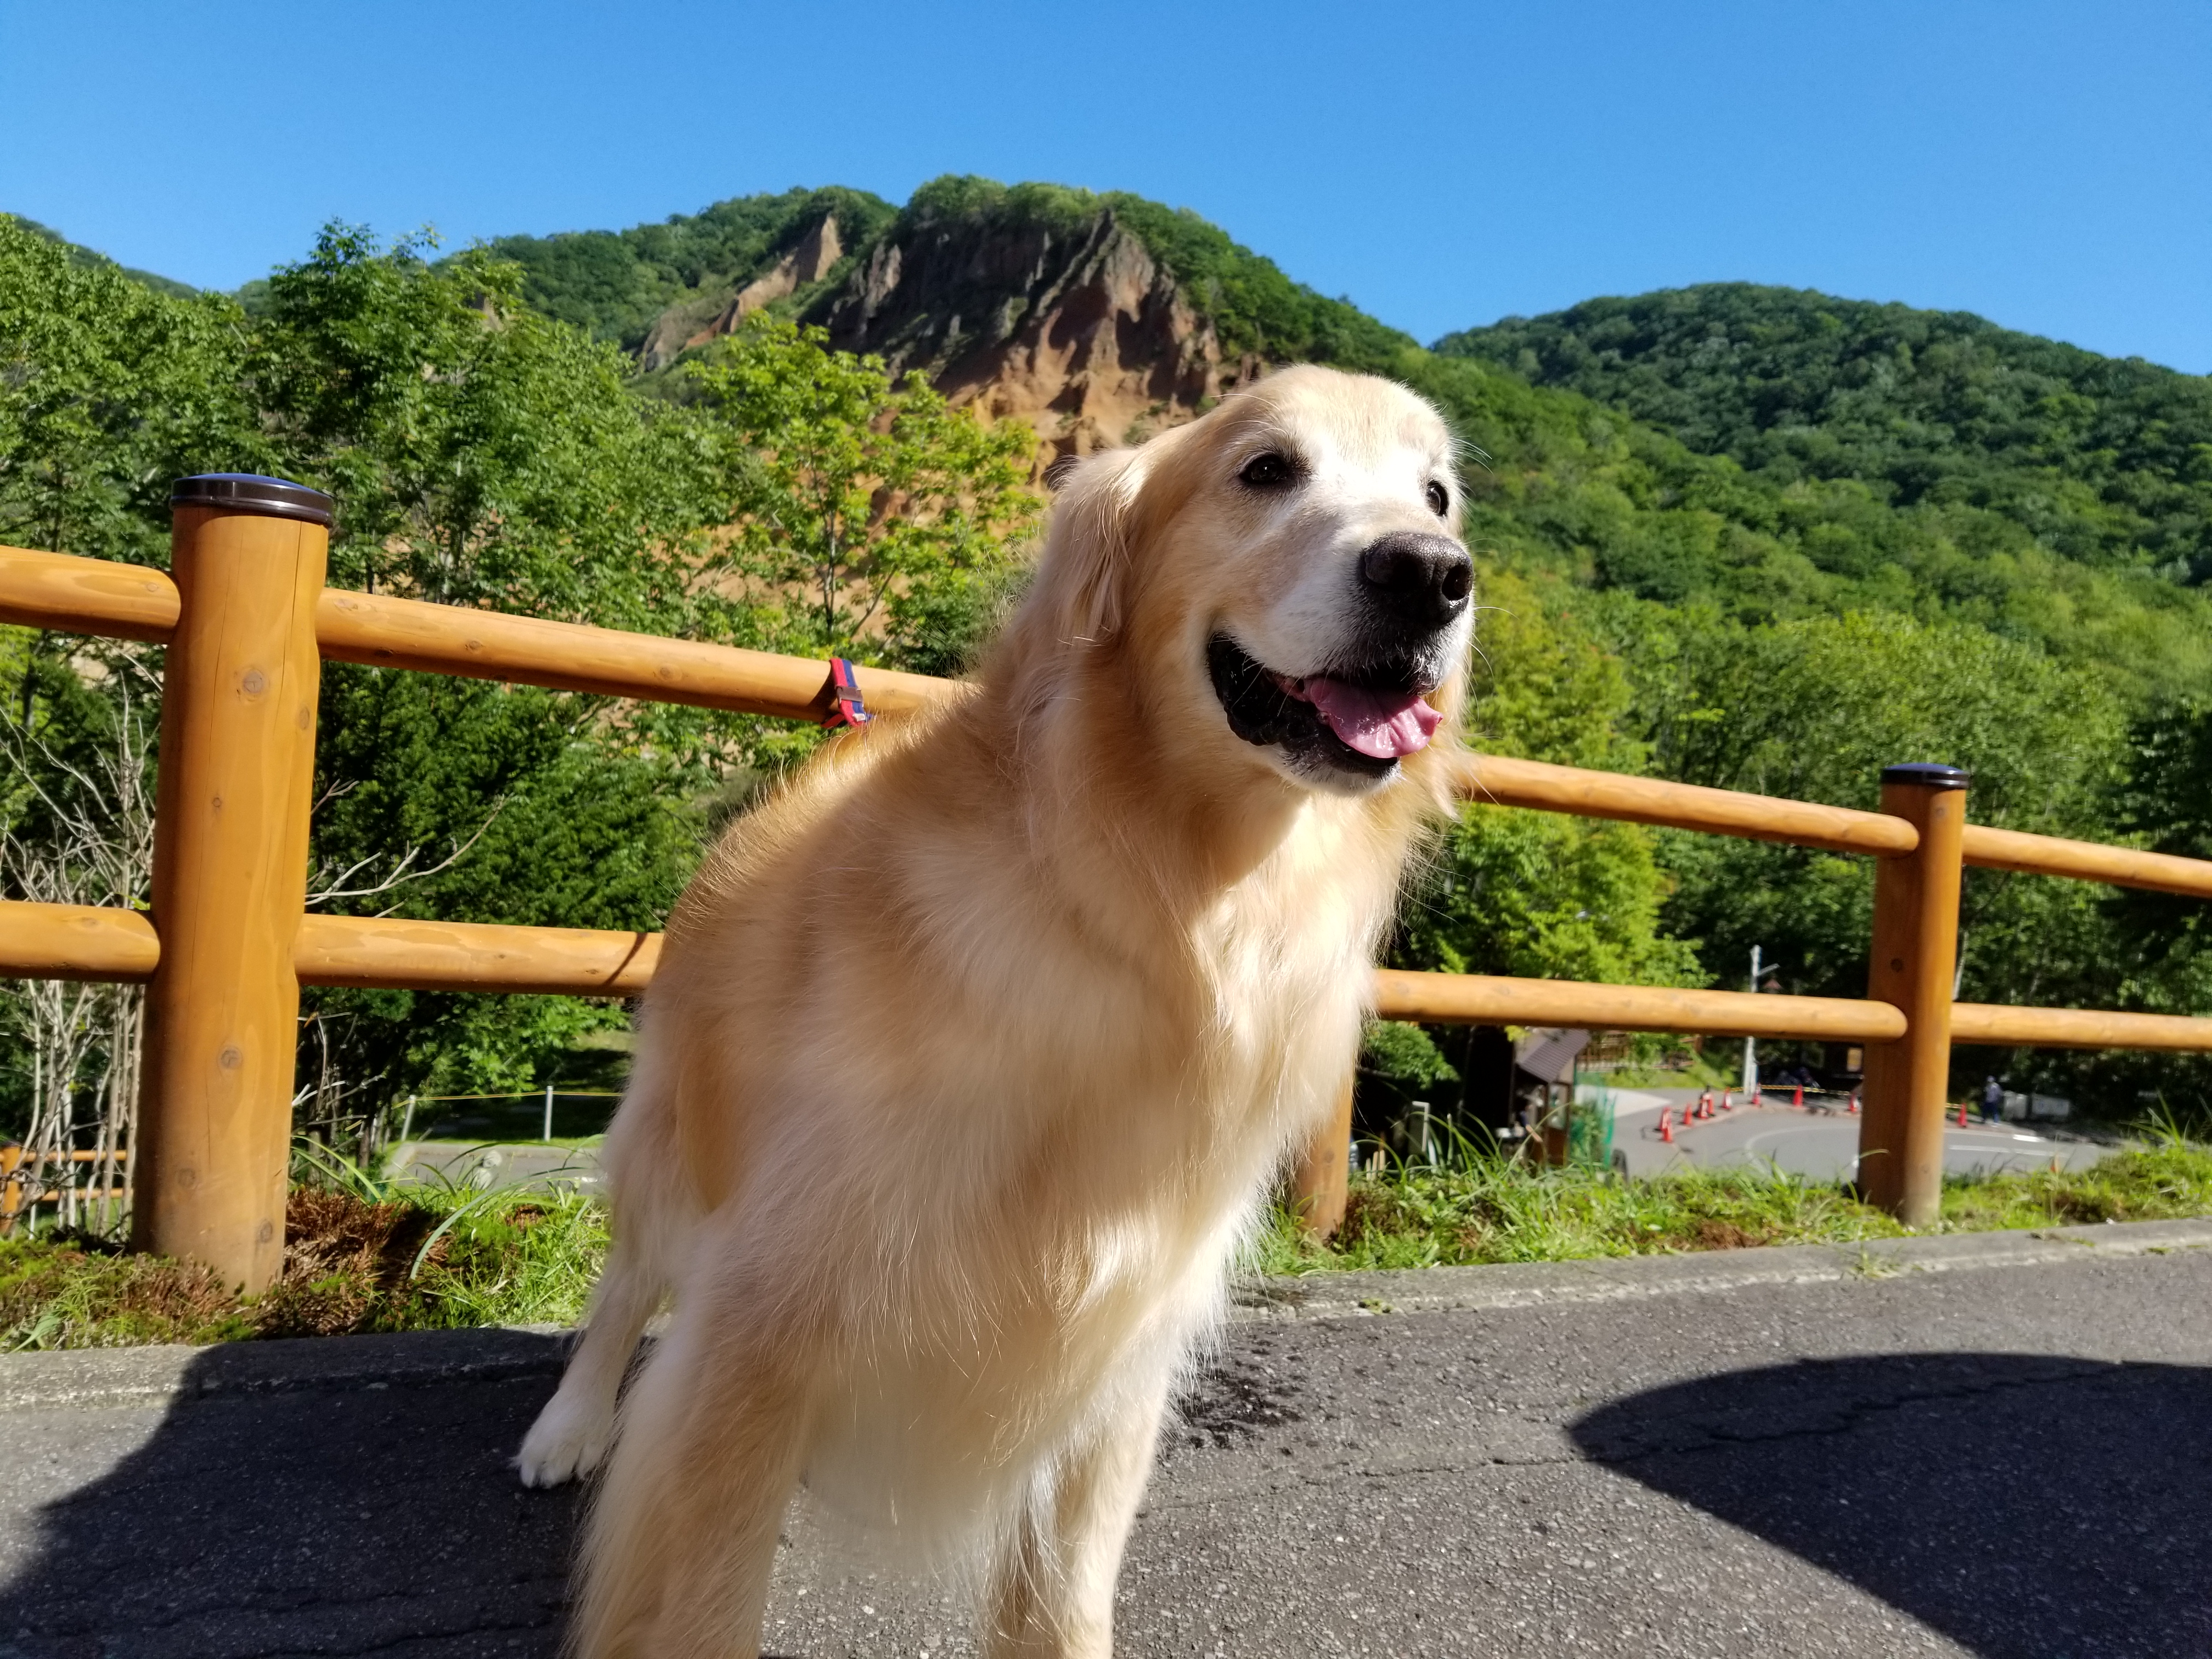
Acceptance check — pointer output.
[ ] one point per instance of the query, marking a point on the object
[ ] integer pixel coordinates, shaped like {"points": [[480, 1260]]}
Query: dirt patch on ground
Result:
{"points": [[349, 1264], [1712, 1235], [345, 1260]]}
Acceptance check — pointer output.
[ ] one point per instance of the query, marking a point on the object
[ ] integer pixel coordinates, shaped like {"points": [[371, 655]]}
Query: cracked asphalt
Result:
{"points": [[2012, 1462]]}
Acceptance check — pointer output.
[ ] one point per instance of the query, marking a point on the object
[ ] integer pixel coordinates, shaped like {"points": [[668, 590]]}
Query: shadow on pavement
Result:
{"points": [[2026, 1507], [288, 1502]]}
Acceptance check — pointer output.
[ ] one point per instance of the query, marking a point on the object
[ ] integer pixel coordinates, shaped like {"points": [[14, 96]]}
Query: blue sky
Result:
{"points": [[2047, 165]]}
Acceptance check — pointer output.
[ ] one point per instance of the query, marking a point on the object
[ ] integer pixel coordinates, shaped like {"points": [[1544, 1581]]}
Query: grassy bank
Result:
{"points": [[364, 1255], [1484, 1209], [359, 1255]]}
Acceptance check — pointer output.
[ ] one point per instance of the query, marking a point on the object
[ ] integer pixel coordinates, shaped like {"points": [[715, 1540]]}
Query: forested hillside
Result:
{"points": [[2104, 460], [85, 258], [1741, 537]]}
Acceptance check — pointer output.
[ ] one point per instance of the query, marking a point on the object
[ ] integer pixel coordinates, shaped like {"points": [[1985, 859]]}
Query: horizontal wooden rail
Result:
{"points": [[2087, 860], [490, 645], [76, 941], [390, 953], [2003, 1026], [86, 596], [57, 941], [1507, 782], [100, 596], [1474, 999]]}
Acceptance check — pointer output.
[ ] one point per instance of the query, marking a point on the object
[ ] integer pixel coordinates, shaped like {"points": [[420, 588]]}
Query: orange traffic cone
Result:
{"points": [[1851, 1105], [1727, 1100], [1666, 1123], [1962, 1114], [1797, 1098]]}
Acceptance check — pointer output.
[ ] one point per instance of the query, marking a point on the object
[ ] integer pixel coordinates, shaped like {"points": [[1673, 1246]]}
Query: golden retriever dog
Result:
{"points": [[971, 1056]]}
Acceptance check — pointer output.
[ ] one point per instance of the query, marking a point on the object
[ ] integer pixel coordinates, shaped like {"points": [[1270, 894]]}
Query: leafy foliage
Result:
{"points": [[82, 255], [1813, 710], [1404, 1054], [1566, 487], [481, 453], [108, 390], [863, 512], [1541, 895]]}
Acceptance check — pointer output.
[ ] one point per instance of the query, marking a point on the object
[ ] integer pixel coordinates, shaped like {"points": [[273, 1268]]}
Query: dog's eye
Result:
{"points": [[1269, 472], [1439, 499]]}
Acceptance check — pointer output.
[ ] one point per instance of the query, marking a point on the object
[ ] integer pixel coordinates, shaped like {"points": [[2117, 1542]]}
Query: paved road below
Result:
{"points": [[1822, 1144], [497, 1164], [1769, 1452], [1818, 1145]]}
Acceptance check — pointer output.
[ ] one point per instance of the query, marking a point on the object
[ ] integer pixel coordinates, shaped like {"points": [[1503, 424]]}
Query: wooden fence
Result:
{"points": [[248, 623]]}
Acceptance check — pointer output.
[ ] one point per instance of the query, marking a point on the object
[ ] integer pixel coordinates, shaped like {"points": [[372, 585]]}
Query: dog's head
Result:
{"points": [[1282, 580]]}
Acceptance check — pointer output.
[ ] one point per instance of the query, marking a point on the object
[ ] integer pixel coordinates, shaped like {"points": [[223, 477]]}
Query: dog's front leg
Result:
{"points": [[571, 1433], [1053, 1588], [682, 1537]]}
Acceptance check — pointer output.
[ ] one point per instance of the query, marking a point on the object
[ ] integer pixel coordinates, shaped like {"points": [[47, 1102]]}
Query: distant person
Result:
{"points": [[1992, 1101]]}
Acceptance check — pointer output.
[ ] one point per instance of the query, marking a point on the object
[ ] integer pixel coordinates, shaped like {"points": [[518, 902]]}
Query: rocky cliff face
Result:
{"points": [[1075, 327], [1081, 332], [699, 320]]}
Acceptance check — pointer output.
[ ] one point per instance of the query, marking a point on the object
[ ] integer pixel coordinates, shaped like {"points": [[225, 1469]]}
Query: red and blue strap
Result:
{"points": [[846, 706]]}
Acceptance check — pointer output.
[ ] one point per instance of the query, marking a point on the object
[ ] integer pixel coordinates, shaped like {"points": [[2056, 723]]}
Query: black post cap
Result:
{"points": [[249, 492], [1929, 774]]}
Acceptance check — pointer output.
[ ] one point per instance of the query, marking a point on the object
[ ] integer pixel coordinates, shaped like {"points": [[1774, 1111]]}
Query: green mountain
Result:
{"points": [[84, 256], [2106, 460]]}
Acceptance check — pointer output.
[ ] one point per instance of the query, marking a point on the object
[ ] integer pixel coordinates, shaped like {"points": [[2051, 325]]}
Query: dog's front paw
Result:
{"points": [[566, 1441]]}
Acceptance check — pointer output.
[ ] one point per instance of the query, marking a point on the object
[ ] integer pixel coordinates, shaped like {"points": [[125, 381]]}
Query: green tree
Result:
{"points": [[1813, 710], [108, 390], [482, 455], [869, 518], [1539, 894]]}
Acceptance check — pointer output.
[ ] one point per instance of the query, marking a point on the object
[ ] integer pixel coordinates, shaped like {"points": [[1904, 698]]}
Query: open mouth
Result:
{"points": [[1361, 721]]}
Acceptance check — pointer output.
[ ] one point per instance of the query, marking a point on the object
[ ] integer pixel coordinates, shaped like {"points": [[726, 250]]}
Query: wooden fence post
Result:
{"points": [[1915, 952], [1319, 1184], [230, 874]]}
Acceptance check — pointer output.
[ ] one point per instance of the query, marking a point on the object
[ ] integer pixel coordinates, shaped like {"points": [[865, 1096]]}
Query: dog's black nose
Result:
{"points": [[1423, 580]]}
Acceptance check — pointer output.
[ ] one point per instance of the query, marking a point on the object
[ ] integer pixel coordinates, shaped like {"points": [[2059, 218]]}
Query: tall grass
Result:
{"points": [[1479, 1208]]}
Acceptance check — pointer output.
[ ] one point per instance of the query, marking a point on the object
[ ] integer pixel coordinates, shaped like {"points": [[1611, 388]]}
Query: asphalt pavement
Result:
{"points": [[497, 1164], [1818, 1142], [1996, 1445]]}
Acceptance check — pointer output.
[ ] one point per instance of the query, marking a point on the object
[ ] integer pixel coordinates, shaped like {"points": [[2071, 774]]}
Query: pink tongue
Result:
{"points": [[1383, 724]]}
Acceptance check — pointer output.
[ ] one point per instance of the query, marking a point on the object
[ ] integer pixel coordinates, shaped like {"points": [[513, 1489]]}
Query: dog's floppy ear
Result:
{"points": [[1086, 550]]}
